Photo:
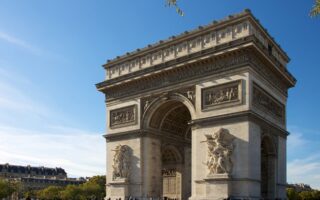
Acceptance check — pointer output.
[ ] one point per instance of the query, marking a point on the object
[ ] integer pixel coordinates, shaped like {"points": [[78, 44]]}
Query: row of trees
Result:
{"points": [[94, 189], [292, 194], [7, 188]]}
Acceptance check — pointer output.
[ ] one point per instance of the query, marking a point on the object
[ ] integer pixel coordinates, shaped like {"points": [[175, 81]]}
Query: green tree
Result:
{"points": [[94, 188], [316, 194], [292, 194], [309, 195], [316, 9], [30, 194], [72, 192], [100, 180], [174, 3], [50, 193], [6, 188], [305, 195]]}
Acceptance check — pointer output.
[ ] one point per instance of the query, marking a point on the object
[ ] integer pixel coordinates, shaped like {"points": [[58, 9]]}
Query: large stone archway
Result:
{"points": [[199, 116], [173, 174], [268, 168], [168, 119]]}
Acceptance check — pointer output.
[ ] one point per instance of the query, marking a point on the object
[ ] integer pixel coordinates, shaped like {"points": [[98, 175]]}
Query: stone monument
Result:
{"points": [[201, 115]]}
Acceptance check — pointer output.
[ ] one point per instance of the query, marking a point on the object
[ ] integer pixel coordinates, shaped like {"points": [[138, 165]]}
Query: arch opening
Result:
{"points": [[170, 122], [268, 164], [171, 174]]}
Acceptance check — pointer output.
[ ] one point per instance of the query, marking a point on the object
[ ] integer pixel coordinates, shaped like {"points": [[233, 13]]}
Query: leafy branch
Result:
{"points": [[174, 3], [316, 9]]}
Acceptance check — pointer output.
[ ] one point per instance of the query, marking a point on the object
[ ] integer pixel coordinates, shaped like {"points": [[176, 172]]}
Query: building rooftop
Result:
{"points": [[7, 168], [233, 28]]}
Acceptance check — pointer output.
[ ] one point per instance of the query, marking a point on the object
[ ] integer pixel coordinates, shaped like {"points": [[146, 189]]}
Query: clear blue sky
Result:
{"points": [[51, 54]]}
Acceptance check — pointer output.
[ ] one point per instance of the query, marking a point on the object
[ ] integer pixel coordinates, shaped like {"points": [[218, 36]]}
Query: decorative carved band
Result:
{"points": [[193, 72], [187, 47], [169, 172], [222, 95], [188, 92], [269, 75], [123, 116], [185, 73], [264, 101], [190, 42]]}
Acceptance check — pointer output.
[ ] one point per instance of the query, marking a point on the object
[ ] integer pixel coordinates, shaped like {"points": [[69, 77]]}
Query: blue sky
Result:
{"points": [[51, 54]]}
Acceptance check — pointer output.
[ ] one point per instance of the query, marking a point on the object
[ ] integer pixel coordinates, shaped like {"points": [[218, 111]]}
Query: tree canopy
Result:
{"points": [[292, 194], [50, 193], [316, 9], [7, 188], [174, 3], [93, 189]]}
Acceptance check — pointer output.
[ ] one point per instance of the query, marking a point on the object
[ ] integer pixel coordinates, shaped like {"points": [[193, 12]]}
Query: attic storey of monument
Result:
{"points": [[197, 115]]}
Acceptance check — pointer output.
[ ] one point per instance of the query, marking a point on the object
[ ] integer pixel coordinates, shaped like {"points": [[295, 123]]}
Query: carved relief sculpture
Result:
{"points": [[169, 172], [123, 116], [264, 101], [221, 94], [121, 162], [175, 76], [189, 93], [220, 149]]}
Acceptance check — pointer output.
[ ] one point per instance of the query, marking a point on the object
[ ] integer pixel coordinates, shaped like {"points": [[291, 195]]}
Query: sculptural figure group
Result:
{"points": [[220, 148], [222, 95], [122, 117], [121, 162]]}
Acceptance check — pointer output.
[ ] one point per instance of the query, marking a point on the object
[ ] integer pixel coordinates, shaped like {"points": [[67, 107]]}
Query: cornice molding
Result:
{"points": [[178, 62], [249, 115], [185, 71], [198, 123], [233, 28]]}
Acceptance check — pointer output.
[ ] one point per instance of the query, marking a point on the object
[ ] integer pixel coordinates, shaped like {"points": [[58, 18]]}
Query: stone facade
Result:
{"points": [[201, 115]]}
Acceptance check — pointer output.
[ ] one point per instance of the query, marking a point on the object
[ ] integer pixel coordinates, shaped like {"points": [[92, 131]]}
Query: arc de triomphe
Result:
{"points": [[201, 115]]}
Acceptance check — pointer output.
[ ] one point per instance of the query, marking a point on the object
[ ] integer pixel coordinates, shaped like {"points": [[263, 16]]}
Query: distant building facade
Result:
{"points": [[34, 178]]}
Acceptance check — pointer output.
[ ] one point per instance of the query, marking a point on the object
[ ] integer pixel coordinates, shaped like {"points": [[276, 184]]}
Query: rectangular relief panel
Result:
{"points": [[125, 116], [223, 95], [263, 101]]}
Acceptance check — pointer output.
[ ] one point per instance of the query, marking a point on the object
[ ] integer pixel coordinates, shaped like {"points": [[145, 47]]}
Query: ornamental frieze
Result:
{"points": [[265, 102], [125, 116], [185, 73], [188, 92], [192, 72], [171, 52], [222, 95], [270, 76], [169, 172], [146, 102]]}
